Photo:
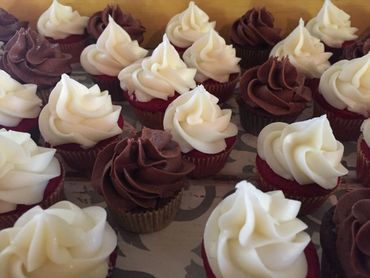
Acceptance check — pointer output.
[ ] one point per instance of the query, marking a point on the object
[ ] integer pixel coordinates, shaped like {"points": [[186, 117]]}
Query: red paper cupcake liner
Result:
{"points": [[251, 57], [73, 45], [30, 126], [223, 91], [110, 83], [363, 162], [54, 192], [312, 83], [149, 119], [312, 196]]}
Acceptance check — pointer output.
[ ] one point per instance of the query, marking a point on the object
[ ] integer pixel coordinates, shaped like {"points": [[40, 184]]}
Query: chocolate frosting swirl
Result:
{"points": [[357, 49], [29, 58], [141, 172], [9, 24], [352, 220], [276, 87], [255, 28], [99, 21]]}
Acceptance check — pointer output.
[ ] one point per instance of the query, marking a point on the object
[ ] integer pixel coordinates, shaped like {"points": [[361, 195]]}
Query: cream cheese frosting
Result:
{"points": [[186, 27], [332, 25], [113, 51], [17, 101], [196, 122], [306, 151], [60, 21], [346, 85], [158, 76], [212, 58], [61, 241], [365, 128], [256, 234], [25, 170], [305, 52], [77, 114]]}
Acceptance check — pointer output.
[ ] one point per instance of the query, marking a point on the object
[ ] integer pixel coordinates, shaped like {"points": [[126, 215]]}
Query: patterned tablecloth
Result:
{"points": [[175, 250]]}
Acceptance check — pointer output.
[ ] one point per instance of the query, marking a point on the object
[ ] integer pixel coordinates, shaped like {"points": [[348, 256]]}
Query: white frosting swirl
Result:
{"points": [[61, 241], [305, 52], [256, 234], [212, 58], [158, 76], [186, 27], [306, 151], [17, 101], [332, 25], [365, 128], [346, 84], [196, 122], [25, 170], [59, 22], [113, 51], [77, 114]]}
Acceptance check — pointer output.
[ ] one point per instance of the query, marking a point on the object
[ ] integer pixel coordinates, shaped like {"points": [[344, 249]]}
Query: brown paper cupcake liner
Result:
{"points": [[251, 57], [362, 164], [111, 84], [223, 91], [149, 119]]}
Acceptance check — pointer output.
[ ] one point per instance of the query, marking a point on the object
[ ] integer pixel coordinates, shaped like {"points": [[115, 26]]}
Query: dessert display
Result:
{"points": [[202, 129], [273, 91], [302, 159], [253, 36], [216, 64], [9, 25], [363, 154], [357, 49]]}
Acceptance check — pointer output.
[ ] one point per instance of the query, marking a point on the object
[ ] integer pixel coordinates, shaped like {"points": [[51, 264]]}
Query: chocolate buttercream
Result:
{"points": [[30, 58], [352, 220], [99, 21], [142, 171], [255, 28], [9, 25], [276, 87], [357, 49]]}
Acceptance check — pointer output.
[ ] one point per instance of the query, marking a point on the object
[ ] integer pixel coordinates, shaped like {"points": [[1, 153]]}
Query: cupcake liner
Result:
{"points": [[313, 84], [112, 262], [312, 196], [149, 119], [30, 126], [363, 162], [73, 45], [110, 83], [223, 91], [251, 57], [337, 53]]}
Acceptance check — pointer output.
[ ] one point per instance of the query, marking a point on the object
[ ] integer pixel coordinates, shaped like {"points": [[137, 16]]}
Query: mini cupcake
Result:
{"points": [[273, 91], [344, 237], [186, 27], [141, 179], [61, 24], [344, 95], [79, 121], [152, 83], [29, 58], [9, 25], [253, 36], [301, 159], [216, 64], [333, 27], [113, 51], [19, 106], [61, 241], [363, 154], [305, 52], [357, 49], [30, 175], [256, 234], [100, 20], [204, 131]]}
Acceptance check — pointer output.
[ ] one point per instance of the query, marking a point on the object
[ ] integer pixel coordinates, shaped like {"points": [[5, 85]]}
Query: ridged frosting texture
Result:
{"points": [[158, 76], [305, 52], [143, 170], [196, 122], [256, 234], [113, 51], [306, 151], [346, 85], [25, 171], [357, 49], [9, 25], [212, 58], [186, 27], [29, 58], [365, 128], [61, 241], [60, 21], [352, 221], [79, 115], [276, 87], [332, 25], [255, 28], [17, 101]]}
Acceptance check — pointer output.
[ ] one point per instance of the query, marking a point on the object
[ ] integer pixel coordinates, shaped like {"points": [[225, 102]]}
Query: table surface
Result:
{"points": [[175, 250]]}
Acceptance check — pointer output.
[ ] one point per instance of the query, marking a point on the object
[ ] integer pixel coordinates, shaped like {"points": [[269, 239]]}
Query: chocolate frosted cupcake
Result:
{"points": [[99, 20], [29, 58], [9, 25], [357, 49], [141, 179], [273, 91], [253, 35]]}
